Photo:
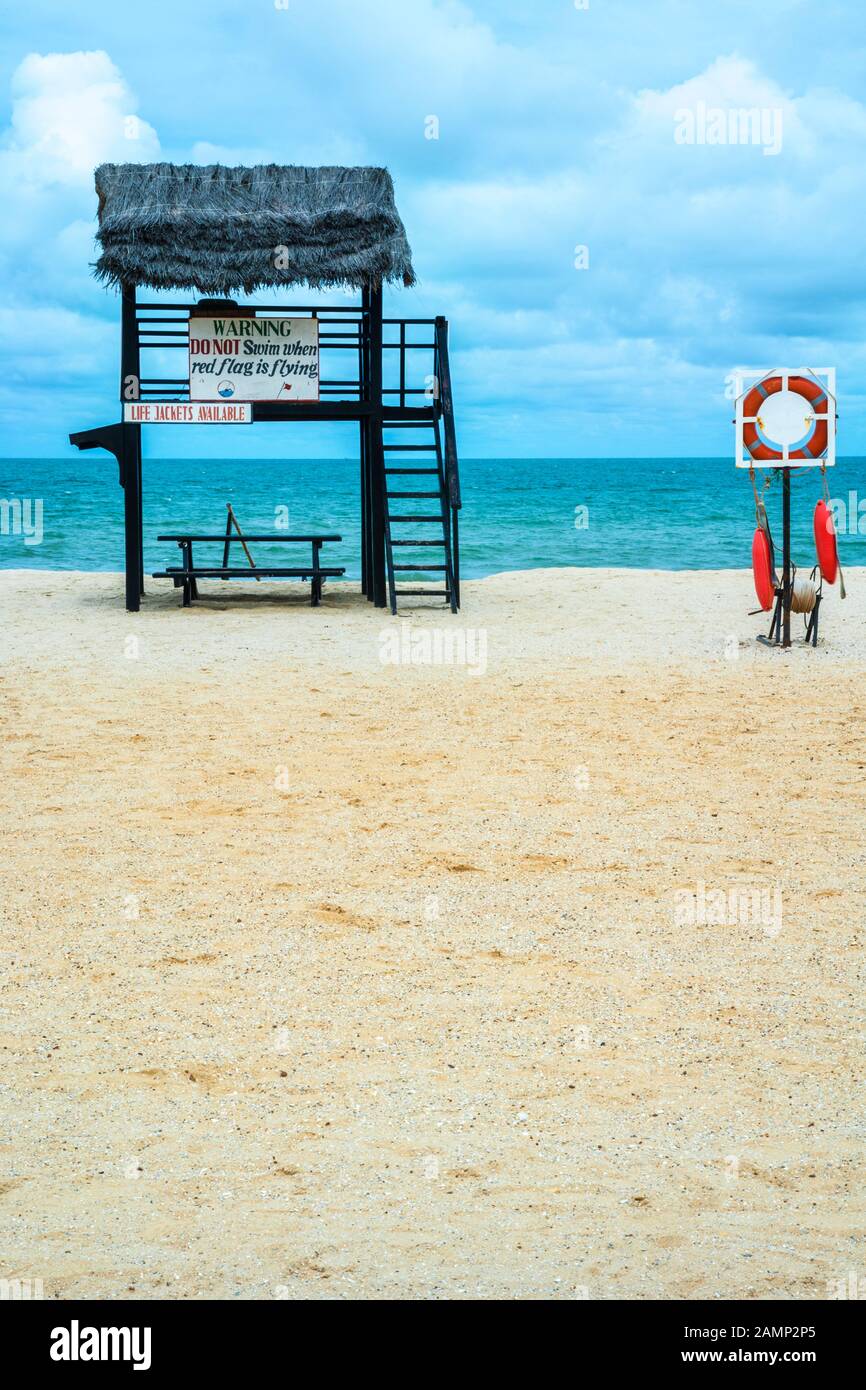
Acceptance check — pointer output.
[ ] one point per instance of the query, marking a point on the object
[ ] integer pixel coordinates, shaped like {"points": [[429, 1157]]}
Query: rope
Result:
{"points": [[804, 596], [760, 509], [824, 482]]}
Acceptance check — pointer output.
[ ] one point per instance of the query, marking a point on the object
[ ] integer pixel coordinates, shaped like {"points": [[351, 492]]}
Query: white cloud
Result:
{"points": [[731, 83], [70, 112]]}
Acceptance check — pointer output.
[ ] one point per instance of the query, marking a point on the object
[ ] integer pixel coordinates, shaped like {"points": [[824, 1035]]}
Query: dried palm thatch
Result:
{"points": [[218, 229]]}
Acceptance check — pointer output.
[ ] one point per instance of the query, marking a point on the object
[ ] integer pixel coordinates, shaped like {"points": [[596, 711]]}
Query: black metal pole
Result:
{"points": [[364, 434], [365, 509], [455, 552], [786, 557], [131, 454], [377, 455], [138, 474]]}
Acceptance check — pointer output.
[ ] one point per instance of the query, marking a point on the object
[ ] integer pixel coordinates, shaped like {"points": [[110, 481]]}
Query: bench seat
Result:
{"points": [[186, 578], [244, 572], [187, 574]]}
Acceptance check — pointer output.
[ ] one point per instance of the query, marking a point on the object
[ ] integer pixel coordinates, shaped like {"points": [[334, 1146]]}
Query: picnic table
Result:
{"points": [[187, 574]]}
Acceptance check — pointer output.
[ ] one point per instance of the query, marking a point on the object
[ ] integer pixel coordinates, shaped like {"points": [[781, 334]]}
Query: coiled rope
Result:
{"points": [[804, 596]]}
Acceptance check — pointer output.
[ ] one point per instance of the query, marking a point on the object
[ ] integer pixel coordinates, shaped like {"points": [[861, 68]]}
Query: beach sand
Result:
{"points": [[323, 978]]}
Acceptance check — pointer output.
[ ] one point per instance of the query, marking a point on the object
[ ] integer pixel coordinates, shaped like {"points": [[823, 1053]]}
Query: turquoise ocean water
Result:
{"points": [[517, 513]]}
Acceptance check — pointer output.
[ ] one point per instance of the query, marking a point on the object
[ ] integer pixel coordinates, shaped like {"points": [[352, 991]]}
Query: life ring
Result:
{"points": [[813, 445], [825, 542], [763, 568]]}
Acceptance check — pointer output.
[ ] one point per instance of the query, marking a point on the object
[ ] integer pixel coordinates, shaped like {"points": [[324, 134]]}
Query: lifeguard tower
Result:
{"points": [[216, 236]]}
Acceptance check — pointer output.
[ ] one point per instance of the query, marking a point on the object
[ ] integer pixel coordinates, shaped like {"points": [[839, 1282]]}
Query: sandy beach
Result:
{"points": [[324, 977]]}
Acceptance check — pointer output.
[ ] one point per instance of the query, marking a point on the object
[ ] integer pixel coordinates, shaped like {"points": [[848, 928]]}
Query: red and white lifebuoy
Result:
{"points": [[816, 407], [825, 542], [763, 569]]}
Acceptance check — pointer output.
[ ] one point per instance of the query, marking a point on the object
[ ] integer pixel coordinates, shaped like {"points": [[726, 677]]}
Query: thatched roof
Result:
{"points": [[218, 229]]}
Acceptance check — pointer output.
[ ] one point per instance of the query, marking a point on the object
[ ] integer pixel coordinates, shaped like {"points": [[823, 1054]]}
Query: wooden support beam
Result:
{"points": [[310, 410], [130, 464], [362, 481], [364, 439], [377, 455], [131, 524], [138, 474]]}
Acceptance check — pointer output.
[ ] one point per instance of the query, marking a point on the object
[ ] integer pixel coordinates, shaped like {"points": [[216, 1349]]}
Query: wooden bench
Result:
{"points": [[185, 576]]}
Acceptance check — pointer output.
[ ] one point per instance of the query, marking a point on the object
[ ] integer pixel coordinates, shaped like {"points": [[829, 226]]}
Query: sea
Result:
{"points": [[518, 513]]}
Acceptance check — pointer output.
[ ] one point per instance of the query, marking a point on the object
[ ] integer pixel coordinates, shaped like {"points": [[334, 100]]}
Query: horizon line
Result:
{"points": [[465, 458]]}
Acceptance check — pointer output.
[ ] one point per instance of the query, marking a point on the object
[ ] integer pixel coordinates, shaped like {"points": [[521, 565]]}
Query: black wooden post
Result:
{"points": [[364, 434], [455, 552], [138, 474], [377, 455], [130, 463]]}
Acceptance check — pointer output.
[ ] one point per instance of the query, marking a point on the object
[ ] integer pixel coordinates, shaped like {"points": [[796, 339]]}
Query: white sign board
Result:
{"points": [[187, 413], [253, 359]]}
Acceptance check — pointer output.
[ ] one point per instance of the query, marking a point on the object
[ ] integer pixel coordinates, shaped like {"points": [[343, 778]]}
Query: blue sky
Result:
{"points": [[559, 126]]}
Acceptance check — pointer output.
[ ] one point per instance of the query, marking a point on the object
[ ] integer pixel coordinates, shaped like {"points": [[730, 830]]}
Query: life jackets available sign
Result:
{"points": [[253, 359], [187, 413]]}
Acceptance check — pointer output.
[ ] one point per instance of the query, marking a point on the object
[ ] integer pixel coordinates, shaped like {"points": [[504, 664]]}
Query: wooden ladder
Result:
{"points": [[435, 534]]}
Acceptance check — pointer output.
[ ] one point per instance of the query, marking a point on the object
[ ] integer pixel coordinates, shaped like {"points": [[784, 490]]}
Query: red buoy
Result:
{"points": [[762, 568], [825, 542]]}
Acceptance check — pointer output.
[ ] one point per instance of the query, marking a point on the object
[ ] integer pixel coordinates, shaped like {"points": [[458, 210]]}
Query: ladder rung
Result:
{"points": [[414, 494], [437, 593], [411, 470], [417, 542], [414, 517], [404, 448], [420, 569]]}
